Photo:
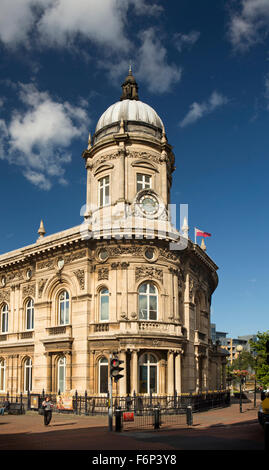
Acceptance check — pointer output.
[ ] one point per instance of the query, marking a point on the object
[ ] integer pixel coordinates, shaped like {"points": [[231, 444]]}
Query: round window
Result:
{"points": [[149, 253], [103, 254]]}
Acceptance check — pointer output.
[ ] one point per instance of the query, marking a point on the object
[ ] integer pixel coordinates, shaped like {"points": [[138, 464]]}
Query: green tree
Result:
{"points": [[245, 362], [259, 349]]}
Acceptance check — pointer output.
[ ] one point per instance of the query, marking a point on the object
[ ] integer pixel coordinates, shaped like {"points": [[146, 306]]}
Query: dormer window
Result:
{"points": [[142, 182], [104, 191]]}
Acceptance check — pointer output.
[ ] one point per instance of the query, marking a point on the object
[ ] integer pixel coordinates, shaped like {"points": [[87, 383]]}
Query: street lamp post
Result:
{"points": [[255, 380], [239, 349]]}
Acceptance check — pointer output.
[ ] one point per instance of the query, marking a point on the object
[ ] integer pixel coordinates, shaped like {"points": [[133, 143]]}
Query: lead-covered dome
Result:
{"points": [[129, 110], [135, 115]]}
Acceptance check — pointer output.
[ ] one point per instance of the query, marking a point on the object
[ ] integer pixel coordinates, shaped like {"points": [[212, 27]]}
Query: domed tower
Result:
{"points": [[143, 292]]}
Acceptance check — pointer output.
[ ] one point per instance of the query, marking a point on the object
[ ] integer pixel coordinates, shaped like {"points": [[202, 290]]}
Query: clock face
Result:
{"points": [[149, 204]]}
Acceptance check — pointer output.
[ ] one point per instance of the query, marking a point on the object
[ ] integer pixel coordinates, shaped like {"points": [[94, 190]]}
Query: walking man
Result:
{"points": [[47, 406]]}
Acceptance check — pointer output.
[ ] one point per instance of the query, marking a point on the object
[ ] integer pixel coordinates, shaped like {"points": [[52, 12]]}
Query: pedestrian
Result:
{"points": [[2, 410], [4, 407], [47, 406]]}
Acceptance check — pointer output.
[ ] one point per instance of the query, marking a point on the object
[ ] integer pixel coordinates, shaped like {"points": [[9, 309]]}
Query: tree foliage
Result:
{"points": [[259, 350]]}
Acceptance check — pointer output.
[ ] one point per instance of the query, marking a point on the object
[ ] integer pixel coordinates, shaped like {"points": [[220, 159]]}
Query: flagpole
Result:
{"points": [[195, 235]]}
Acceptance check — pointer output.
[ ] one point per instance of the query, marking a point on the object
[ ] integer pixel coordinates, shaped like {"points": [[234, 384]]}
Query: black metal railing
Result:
{"points": [[141, 405]]}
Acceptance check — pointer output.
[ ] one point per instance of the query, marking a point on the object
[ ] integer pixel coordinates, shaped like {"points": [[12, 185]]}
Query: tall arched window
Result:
{"points": [[104, 305], [4, 319], [63, 308], [2, 375], [61, 374], [103, 375], [30, 315], [28, 375], [148, 301], [148, 374]]}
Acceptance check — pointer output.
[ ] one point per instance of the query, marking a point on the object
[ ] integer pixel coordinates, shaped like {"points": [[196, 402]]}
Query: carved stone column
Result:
{"points": [[170, 373], [178, 372], [134, 371], [49, 373], [68, 370]]}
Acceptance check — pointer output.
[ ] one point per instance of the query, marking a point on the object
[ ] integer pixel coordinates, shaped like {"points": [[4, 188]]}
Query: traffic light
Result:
{"points": [[115, 368], [267, 351]]}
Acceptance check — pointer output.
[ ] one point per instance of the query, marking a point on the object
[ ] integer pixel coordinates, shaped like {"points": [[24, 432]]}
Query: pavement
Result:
{"points": [[218, 429]]}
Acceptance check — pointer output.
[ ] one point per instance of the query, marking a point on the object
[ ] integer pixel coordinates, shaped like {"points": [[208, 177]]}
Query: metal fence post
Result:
{"points": [[157, 418], [86, 403], [28, 400], [76, 402], [189, 416]]}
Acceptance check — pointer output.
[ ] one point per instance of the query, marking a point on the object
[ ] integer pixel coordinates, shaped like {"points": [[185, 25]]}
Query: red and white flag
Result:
{"points": [[201, 233]]}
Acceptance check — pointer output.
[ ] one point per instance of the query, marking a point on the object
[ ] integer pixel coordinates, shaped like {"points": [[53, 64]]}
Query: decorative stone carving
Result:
{"points": [[125, 250], [41, 285], [134, 316], [123, 316], [115, 265], [28, 290], [4, 296], [148, 271], [105, 158], [124, 265], [45, 264], [75, 256], [102, 274], [168, 254], [144, 156], [80, 275], [67, 259]]}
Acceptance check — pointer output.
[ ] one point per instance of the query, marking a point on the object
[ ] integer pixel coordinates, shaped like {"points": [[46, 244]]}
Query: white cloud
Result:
{"points": [[186, 40], [199, 110], [59, 23], [153, 67], [38, 138], [249, 24]]}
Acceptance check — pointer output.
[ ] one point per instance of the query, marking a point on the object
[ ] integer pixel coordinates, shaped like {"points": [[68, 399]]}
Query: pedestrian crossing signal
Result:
{"points": [[115, 369]]}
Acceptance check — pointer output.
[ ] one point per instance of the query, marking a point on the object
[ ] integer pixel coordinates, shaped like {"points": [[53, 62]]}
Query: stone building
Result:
{"points": [[124, 281]]}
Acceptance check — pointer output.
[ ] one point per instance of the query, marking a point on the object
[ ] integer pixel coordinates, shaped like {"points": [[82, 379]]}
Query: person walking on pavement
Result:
{"points": [[47, 405]]}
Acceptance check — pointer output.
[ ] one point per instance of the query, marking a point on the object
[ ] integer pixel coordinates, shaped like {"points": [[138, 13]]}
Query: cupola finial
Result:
{"points": [[129, 87]]}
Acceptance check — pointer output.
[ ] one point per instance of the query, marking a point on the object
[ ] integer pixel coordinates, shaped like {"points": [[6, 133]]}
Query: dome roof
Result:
{"points": [[129, 110]]}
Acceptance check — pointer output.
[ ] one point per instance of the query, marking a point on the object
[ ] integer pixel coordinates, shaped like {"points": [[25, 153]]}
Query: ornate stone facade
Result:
{"points": [[118, 288]]}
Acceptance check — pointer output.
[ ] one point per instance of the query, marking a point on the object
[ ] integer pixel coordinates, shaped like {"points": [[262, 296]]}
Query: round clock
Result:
{"points": [[149, 204]]}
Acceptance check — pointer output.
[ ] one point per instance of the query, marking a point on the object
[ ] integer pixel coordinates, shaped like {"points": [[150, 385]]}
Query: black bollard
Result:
{"points": [[118, 419], [189, 416]]}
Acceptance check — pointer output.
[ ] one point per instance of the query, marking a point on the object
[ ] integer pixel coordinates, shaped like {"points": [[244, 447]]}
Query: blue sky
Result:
{"points": [[203, 66]]}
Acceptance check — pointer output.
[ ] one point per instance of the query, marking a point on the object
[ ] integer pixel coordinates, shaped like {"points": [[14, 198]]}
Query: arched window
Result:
{"points": [[28, 375], [63, 308], [104, 305], [103, 375], [148, 374], [2, 375], [61, 374], [4, 319], [148, 301], [30, 315]]}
